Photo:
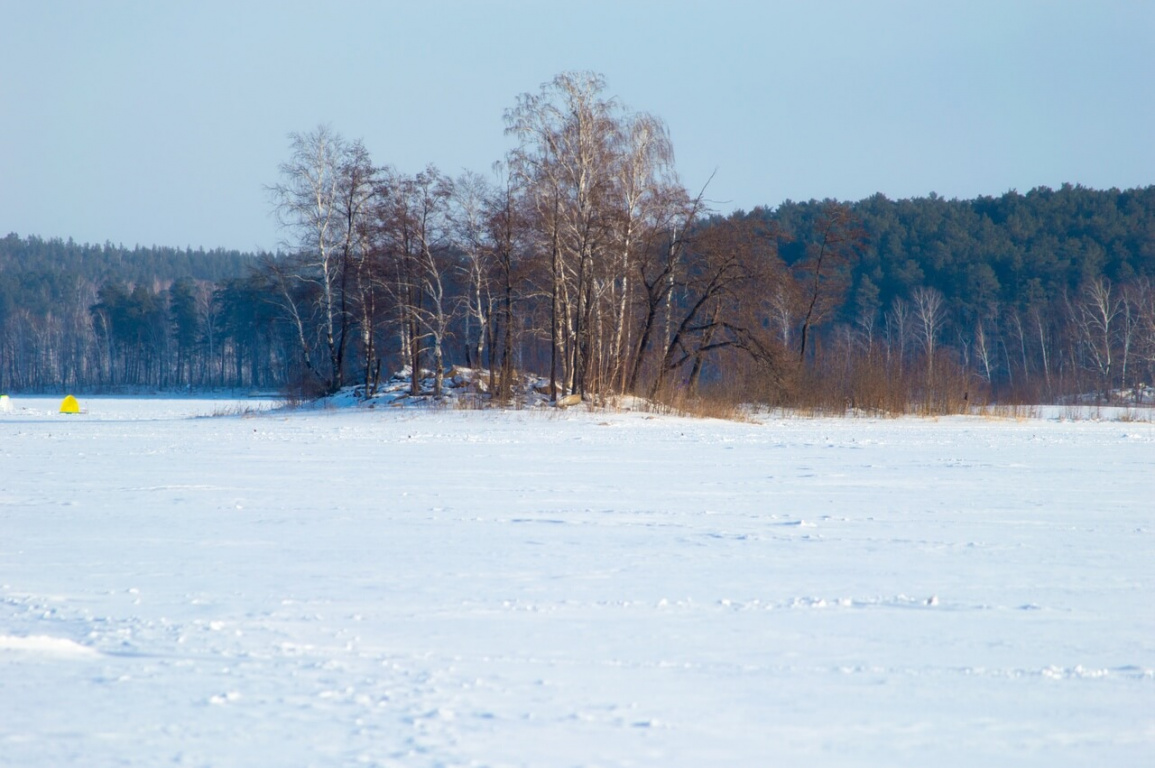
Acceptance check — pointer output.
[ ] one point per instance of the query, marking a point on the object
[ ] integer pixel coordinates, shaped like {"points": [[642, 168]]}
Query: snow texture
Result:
{"points": [[402, 587]]}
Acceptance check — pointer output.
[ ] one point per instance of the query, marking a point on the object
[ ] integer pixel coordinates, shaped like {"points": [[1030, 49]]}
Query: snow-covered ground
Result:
{"points": [[441, 588]]}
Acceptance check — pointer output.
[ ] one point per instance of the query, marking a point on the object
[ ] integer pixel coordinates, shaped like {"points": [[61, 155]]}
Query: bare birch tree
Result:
{"points": [[928, 312], [359, 185], [1096, 313], [306, 202], [601, 184], [469, 197]]}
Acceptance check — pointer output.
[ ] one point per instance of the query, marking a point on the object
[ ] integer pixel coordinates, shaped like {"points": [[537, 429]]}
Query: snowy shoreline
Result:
{"points": [[430, 587]]}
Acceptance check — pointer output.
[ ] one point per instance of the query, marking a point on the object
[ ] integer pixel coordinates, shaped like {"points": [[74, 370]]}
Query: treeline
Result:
{"points": [[36, 260], [102, 317], [582, 257], [1028, 297]]}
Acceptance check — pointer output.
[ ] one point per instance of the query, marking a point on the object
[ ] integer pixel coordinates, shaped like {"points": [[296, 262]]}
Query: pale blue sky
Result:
{"points": [[159, 122]]}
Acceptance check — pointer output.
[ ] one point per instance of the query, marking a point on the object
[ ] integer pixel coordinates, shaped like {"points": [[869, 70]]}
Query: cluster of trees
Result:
{"points": [[583, 257]]}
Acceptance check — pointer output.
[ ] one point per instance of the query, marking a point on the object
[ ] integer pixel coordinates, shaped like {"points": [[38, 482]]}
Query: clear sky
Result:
{"points": [[161, 122]]}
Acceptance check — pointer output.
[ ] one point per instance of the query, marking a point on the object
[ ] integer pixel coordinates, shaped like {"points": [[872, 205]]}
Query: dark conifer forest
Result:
{"points": [[583, 259]]}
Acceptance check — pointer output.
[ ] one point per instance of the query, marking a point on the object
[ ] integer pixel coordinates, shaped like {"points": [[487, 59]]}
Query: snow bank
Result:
{"points": [[45, 645]]}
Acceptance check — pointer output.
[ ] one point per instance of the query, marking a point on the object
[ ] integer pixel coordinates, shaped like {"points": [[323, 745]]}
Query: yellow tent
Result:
{"points": [[69, 405]]}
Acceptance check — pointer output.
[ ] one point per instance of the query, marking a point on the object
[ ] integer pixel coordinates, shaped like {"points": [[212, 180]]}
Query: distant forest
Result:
{"points": [[584, 259]]}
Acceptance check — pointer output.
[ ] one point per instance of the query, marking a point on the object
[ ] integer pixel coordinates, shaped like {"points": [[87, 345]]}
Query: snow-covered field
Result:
{"points": [[407, 588]]}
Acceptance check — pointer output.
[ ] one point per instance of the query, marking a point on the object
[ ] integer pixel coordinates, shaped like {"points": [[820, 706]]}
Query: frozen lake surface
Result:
{"points": [[463, 588]]}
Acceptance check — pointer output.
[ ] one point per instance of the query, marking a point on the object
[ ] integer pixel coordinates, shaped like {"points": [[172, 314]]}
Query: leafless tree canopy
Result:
{"points": [[582, 256]]}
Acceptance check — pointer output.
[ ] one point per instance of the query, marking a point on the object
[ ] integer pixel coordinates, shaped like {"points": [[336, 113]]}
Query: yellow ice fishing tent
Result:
{"points": [[69, 405]]}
